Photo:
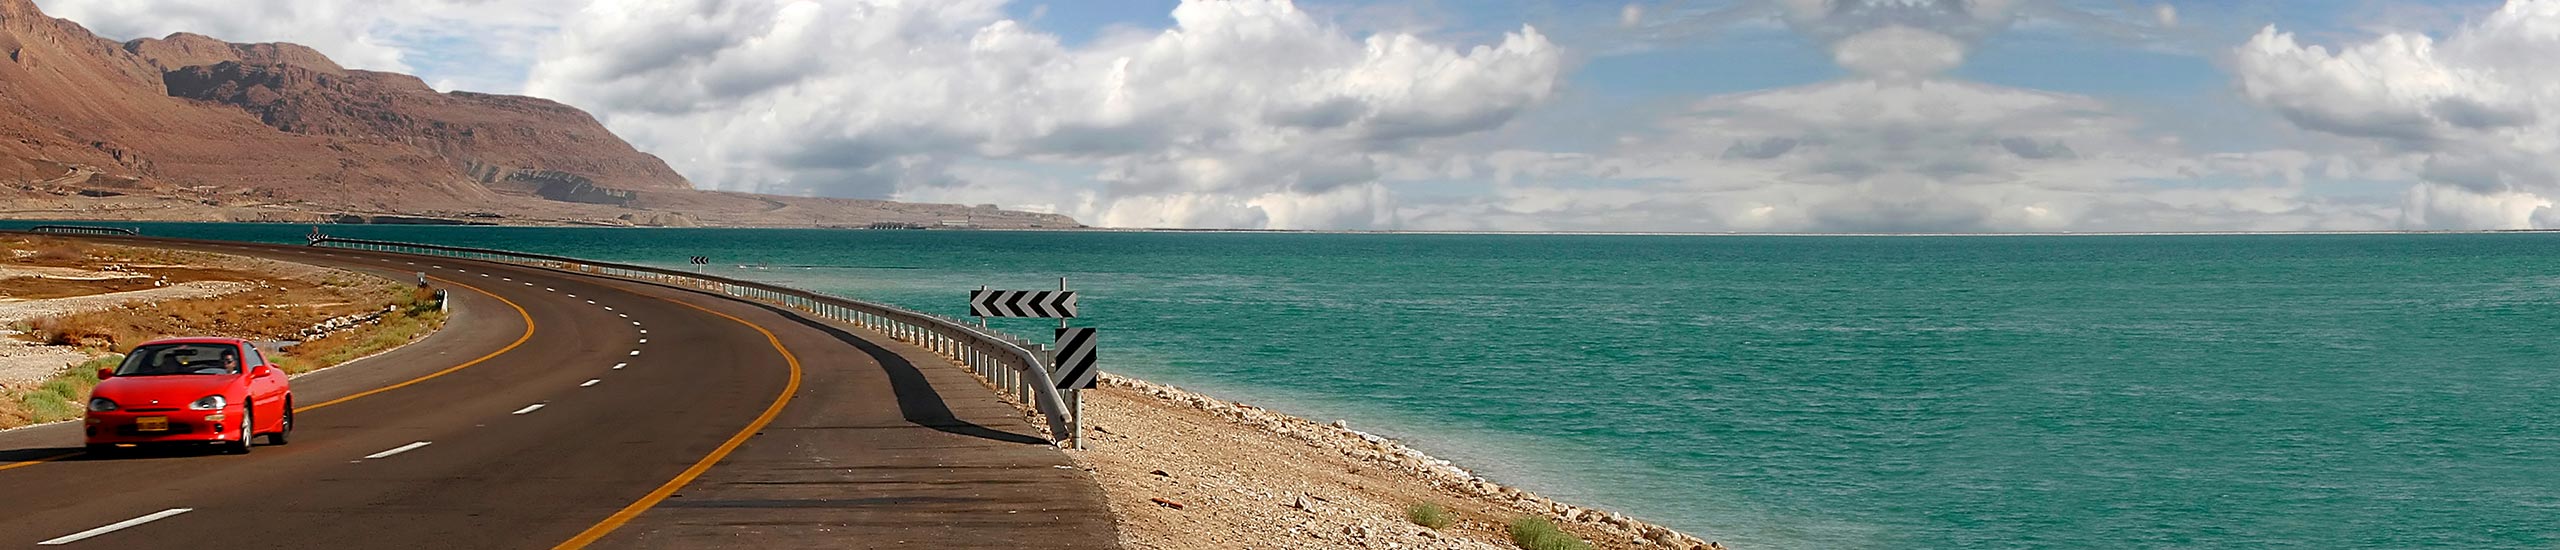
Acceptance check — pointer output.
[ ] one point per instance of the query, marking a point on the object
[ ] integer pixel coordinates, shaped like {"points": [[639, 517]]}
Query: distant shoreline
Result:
{"points": [[1369, 231]]}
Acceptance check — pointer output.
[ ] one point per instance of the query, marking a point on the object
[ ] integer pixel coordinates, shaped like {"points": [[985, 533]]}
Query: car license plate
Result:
{"points": [[151, 424]]}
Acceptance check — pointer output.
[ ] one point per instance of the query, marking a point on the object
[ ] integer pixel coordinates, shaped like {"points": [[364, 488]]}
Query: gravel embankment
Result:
{"points": [[1188, 471]]}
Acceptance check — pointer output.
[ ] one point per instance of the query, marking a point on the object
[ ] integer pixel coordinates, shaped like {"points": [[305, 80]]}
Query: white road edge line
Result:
{"points": [[400, 449], [528, 408], [590, 382], [76, 537]]}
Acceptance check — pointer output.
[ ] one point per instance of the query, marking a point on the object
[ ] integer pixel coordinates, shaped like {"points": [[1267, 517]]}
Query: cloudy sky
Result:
{"points": [[1660, 115]]}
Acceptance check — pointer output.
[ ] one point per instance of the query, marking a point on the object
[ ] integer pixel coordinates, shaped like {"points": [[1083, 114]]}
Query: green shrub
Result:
{"points": [[1429, 514], [1535, 533], [65, 396]]}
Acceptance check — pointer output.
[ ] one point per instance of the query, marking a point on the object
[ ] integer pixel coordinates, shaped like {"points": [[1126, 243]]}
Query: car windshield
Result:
{"points": [[162, 359]]}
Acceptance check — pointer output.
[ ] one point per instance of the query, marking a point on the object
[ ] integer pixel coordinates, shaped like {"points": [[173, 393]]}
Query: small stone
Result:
{"points": [[1343, 424]]}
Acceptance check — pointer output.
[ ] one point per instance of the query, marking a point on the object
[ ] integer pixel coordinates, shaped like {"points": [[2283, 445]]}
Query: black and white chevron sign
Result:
{"points": [[1073, 368], [1022, 303], [701, 260]]}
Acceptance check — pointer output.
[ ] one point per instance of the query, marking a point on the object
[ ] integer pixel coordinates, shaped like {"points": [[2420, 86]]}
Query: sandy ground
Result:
{"points": [[71, 273], [26, 362], [1246, 478], [22, 361]]}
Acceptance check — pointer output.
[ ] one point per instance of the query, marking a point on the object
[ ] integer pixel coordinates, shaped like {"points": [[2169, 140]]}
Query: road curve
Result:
{"points": [[565, 410]]}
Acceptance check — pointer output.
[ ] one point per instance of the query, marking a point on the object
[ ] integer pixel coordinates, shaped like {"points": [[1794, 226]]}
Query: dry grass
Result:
{"points": [[49, 250], [414, 317], [264, 314], [287, 300], [63, 397]]}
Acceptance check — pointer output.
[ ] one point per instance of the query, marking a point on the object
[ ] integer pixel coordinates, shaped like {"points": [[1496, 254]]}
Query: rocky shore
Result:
{"points": [[1185, 470]]}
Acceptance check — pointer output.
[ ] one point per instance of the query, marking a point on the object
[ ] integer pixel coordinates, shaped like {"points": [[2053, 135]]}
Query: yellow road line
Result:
{"points": [[520, 340], [40, 460], [606, 527]]}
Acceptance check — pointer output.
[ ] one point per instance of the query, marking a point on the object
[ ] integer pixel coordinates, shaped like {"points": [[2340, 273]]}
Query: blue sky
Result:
{"points": [[1665, 115]]}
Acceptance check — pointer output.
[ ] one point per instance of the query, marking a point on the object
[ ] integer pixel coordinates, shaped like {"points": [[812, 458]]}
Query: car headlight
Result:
{"points": [[101, 404], [209, 403]]}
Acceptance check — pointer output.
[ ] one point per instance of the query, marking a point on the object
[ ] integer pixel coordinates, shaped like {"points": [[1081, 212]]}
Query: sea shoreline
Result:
{"points": [[1152, 442]]}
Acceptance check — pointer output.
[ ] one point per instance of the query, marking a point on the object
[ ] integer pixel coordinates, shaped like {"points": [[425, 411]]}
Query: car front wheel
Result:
{"points": [[248, 419], [283, 428]]}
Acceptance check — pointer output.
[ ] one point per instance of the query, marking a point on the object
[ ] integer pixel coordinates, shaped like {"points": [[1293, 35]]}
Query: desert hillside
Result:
{"points": [[189, 127]]}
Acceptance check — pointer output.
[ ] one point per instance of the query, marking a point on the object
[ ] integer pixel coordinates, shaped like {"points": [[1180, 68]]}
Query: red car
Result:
{"points": [[191, 390]]}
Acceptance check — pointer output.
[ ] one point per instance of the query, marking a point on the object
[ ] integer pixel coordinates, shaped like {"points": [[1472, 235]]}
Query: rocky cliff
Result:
{"points": [[192, 127]]}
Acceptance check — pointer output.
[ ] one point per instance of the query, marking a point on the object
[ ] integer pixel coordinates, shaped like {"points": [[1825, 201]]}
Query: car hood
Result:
{"points": [[172, 390]]}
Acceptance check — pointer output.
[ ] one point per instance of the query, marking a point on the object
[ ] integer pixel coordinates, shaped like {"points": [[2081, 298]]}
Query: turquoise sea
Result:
{"points": [[2281, 391]]}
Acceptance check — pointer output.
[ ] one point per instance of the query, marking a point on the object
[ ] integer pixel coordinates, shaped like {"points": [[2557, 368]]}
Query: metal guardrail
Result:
{"points": [[1017, 369], [86, 230]]}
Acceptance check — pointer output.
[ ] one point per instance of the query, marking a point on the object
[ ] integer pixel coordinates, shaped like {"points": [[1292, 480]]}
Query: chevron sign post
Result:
{"points": [[1060, 304], [1073, 368]]}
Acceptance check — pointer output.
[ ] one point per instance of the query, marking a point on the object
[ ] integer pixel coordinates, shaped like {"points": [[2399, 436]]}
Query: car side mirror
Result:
{"points": [[106, 373], [264, 371]]}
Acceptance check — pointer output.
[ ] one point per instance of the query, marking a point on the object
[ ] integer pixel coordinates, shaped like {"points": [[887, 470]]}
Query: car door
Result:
{"points": [[267, 391]]}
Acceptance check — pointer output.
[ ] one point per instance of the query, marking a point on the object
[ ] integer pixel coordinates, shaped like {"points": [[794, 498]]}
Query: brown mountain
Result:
{"points": [[191, 127]]}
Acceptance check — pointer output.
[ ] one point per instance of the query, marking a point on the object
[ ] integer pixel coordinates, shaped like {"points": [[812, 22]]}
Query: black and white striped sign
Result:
{"points": [[701, 260], [1022, 303], [1073, 368]]}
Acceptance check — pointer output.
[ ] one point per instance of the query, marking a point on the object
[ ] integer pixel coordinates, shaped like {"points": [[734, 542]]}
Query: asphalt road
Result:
{"points": [[562, 410]]}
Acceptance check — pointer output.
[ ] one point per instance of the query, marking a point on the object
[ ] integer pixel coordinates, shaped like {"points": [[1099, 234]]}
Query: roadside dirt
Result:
{"points": [[100, 294], [1187, 471]]}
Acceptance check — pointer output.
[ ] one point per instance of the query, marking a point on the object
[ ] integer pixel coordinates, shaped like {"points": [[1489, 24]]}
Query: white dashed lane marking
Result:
{"points": [[396, 450], [528, 408], [635, 352], [590, 382], [117, 526], [619, 366]]}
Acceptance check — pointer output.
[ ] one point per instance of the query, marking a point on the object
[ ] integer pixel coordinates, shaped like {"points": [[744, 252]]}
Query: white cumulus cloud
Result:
{"points": [[2478, 112], [1246, 113]]}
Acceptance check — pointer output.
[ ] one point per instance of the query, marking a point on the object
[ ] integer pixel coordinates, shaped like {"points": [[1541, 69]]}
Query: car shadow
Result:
{"points": [[37, 453], [918, 401], [82, 454]]}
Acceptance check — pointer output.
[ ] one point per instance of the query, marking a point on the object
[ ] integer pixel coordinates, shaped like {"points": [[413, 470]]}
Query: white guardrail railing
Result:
{"points": [[1016, 367]]}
